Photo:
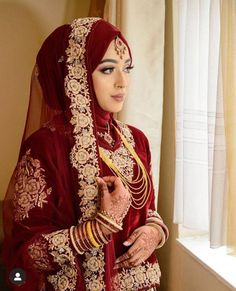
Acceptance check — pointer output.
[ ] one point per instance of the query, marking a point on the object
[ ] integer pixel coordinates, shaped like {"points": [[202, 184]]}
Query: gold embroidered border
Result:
{"points": [[123, 161], [126, 132], [133, 279], [30, 188], [59, 248], [84, 156]]}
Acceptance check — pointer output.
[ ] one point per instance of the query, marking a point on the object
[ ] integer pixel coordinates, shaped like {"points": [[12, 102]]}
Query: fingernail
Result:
{"points": [[126, 243]]}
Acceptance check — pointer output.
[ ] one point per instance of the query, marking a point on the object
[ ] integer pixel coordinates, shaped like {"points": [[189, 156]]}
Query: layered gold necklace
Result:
{"points": [[139, 187]]}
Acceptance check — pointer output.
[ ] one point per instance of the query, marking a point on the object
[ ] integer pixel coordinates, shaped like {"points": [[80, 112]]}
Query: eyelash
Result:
{"points": [[109, 70]]}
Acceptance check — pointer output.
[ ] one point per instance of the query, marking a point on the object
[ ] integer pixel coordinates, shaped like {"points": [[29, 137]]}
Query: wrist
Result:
{"points": [[105, 230]]}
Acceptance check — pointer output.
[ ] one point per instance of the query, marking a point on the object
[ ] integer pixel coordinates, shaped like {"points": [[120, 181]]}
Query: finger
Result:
{"points": [[138, 256], [102, 186], [132, 238], [109, 179], [129, 254], [129, 263]]}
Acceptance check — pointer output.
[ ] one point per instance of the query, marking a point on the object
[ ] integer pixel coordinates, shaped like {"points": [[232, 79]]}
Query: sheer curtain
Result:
{"points": [[205, 186]]}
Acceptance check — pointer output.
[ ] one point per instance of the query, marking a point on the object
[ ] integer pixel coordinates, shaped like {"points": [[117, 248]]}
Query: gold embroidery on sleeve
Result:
{"points": [[30, 188], [38, 251], [59, 248]]}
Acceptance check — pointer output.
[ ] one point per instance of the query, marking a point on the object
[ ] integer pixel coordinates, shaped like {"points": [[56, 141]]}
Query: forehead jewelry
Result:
{"points": [[120, 47]]}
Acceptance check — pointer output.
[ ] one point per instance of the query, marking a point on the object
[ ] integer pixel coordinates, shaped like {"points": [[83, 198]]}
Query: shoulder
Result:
{"points": [[40, 139], [42, 144], [139, 137]]}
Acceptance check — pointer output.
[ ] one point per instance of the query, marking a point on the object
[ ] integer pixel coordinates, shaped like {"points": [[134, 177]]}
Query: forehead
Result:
{"points": [[117, 50]]}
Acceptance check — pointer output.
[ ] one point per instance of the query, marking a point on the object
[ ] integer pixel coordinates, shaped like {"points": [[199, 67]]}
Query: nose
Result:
{"points": [[121, 80]]}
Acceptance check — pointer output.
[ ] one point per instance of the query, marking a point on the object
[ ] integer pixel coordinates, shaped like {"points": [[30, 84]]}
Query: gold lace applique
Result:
{"points": [[136, 278], [59, 248], [31, 188], [83, 156], [122, 159], [38, 251], [126, 132]]}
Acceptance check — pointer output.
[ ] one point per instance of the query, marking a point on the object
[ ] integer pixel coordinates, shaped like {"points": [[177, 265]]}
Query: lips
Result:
{"points": [[119, 97]]}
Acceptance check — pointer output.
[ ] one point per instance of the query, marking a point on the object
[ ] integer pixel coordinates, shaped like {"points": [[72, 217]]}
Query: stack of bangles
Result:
{"points": [[89, 235], [157, 222]]}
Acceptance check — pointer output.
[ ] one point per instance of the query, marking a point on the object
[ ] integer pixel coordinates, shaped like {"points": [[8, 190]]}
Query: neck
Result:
{"points": [[102, 117]]}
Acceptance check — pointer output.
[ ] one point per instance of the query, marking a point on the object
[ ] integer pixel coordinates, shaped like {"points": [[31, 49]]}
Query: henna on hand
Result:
{"points": [[143, 241]]}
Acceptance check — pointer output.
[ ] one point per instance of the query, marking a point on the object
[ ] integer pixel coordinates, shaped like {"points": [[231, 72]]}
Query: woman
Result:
{"points": [[80, 213]]}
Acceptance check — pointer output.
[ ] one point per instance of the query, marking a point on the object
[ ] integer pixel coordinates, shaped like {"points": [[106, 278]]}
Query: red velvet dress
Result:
{"points": [[54, 185]]}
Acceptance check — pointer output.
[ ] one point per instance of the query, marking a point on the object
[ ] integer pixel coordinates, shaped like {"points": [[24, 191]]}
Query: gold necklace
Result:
{"points": [[142, 176]]}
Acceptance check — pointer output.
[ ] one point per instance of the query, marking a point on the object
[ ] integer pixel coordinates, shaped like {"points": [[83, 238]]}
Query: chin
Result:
{"points": [[115, 108]]}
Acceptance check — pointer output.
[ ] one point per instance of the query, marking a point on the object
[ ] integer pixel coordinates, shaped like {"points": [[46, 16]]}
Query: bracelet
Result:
{"points": [[74, 241], [163, 236], [112, 217], [90, 235], [109, 221], [102, 237], [109, 224]]}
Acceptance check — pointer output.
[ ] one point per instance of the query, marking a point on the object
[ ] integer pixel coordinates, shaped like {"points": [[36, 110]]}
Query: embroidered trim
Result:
{"points": [[31, 188], [38, 251], [122, 159], [84, 156], [59, 248], [126, 132], [133, 279]]}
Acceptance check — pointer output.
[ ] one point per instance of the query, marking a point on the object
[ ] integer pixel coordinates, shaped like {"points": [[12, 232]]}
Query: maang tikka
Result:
{"points": [[120, 47]]}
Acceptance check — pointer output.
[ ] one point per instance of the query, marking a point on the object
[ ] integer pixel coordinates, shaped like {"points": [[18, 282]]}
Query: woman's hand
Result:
{"points": [[116, 202], [143, 242]]}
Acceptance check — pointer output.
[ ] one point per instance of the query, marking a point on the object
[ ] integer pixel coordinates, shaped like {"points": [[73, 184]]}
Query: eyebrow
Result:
{"points": [[113, 61]]}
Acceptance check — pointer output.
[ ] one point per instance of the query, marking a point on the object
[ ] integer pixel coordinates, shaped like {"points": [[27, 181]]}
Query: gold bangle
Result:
{"points": [[110, 220], [91, 237], [72, 237]]}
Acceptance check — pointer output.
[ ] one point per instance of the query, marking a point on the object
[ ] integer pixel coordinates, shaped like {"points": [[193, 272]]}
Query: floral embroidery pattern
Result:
{"points": [[146, 275], [30, 188], [84, 156], [59, 247], [38, 251]]}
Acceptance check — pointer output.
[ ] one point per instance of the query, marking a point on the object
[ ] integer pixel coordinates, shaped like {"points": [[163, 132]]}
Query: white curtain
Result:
{"points": [[200, 138], [143, 24]]}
